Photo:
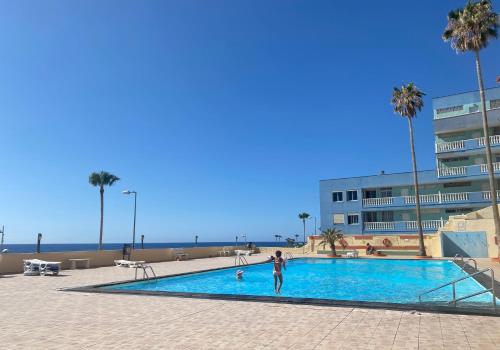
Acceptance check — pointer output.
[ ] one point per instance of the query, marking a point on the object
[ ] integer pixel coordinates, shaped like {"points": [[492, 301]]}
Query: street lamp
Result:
{"points": [[135, 210], [38, 241], [245, 238]]}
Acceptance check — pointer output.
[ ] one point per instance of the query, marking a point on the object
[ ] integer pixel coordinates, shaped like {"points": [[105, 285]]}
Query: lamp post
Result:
{"points": [[196, 240], [245, 238], [142, 241], [1, 241], [236, 240], [135, 211], [38, 240]]}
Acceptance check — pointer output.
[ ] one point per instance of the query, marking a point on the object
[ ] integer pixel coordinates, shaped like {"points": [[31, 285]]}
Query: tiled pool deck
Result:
{"points": [[34, 314]]}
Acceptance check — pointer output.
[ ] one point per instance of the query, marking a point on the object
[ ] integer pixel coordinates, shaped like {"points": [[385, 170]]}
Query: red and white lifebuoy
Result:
{"points": [[387, 242]]}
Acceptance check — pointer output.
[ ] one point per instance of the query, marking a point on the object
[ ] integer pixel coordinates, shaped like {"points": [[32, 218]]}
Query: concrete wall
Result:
{"points": [[477, 221], [13, 262]]}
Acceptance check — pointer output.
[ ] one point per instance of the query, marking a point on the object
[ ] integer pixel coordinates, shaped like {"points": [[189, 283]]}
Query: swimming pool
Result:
{"points": [[364, 280]]}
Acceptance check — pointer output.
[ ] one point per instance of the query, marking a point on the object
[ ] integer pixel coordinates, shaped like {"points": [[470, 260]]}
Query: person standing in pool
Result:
{"points": [[278, 263]]}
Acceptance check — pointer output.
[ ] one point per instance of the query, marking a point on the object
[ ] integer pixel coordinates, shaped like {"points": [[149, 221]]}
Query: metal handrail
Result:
{"points": [[467, 261], [289, 256], [458, 256], [240, 260], [454, 301], [145, 274]]}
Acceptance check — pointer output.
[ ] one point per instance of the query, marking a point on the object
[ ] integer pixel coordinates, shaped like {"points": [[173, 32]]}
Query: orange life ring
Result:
{"points": [[386, 242], [343, 243]]}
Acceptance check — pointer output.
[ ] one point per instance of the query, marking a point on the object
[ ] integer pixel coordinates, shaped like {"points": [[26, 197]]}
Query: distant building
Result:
{"points": [[385, 203]]}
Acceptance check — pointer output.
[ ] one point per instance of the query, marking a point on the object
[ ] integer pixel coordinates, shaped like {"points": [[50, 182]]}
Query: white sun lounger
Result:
{"points": [[41, 267], [128, 263]]}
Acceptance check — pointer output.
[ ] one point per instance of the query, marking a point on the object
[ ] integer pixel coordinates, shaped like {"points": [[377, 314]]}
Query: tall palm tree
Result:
{"points": [[471, 29], [304, 216], [102, 179], [407, 101]]}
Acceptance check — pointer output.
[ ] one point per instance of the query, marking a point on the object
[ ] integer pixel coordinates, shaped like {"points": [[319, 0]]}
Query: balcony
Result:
{"points": [[470, 170], [404, 226], [429, 199], [466, 145]]}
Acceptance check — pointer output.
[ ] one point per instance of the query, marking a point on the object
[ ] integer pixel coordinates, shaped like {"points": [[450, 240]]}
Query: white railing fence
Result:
{"points": [[378, 201]]}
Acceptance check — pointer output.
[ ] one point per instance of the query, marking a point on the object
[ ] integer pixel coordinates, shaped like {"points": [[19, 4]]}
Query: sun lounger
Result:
{"points": [[224, 252], [41, 267], [352, 254], [128, 263], [243, 252]]}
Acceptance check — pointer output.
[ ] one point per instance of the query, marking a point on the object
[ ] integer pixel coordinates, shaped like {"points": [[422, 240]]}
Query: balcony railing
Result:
{"points": [[374, 202], [487, 195], [470, 170], [453, 171], [468, 144], [404, 225], [429, 199], [450, 146]]}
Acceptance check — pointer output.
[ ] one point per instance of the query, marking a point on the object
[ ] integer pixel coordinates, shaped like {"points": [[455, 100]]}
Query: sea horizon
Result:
{"points": [[67, 247]]}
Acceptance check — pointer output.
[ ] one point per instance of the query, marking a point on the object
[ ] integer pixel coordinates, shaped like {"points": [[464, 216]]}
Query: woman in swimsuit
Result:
{"points": [[278, 275]]}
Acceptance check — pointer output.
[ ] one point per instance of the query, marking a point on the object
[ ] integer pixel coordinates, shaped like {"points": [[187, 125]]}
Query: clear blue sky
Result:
{"points": [[223, 115]]}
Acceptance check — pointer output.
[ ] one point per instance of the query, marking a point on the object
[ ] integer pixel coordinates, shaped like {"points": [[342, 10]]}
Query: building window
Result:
{"points": [[474, 109], [458, 210], [386, 192], [352, 195], [338, 219], [495, 103], [455, 159], [337, 197], [387, 216], [457, 184], [449, 109], [352, 219]]}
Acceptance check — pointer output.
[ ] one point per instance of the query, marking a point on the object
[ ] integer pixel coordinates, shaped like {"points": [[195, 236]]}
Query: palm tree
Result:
{"points": [[304, 216], [471, 29], [330, 236], [407, 101], [102, 179]]}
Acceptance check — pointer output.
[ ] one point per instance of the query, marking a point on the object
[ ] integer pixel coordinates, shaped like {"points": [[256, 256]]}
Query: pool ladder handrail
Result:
{"points": [[289, 256], [454, 301], [240, 260], [466, 262], [145, 269], [457, 256]]}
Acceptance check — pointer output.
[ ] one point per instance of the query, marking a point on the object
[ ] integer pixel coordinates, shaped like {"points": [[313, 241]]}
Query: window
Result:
{"points": [[458, 210], [457, 184], [455, 159], [449, 109], [474, 109], [338, 218], [352, 219], [370, 194], [387, 216], [337, 197], [370, 216], [495, 103], [352, 195], [386, 192]]}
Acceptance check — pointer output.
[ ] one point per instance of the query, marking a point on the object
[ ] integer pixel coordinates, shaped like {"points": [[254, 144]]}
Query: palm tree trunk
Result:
{"points": [[304, 223], [102, 217], [421, 246], [334, 251], [491, 176]]}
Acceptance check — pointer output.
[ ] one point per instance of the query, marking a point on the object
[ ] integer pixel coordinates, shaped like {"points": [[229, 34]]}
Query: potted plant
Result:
{"points": [[330, 236]]}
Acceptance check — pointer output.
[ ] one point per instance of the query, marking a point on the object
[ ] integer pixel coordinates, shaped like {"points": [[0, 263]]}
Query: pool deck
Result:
{"points": [[35, 314]]}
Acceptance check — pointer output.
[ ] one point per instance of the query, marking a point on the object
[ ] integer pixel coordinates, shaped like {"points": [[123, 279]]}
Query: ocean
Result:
{"points": [[45, 248]]}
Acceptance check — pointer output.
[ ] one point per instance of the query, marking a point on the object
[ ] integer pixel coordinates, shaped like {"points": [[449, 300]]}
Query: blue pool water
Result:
{"points": [[391, 281]]}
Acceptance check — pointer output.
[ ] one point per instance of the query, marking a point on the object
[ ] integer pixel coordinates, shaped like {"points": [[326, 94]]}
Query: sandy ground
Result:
{"points": [[34, 314]]}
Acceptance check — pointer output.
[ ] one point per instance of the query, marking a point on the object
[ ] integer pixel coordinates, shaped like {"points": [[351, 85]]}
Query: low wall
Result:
{"points": [[397, 243], [13, 262]]}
